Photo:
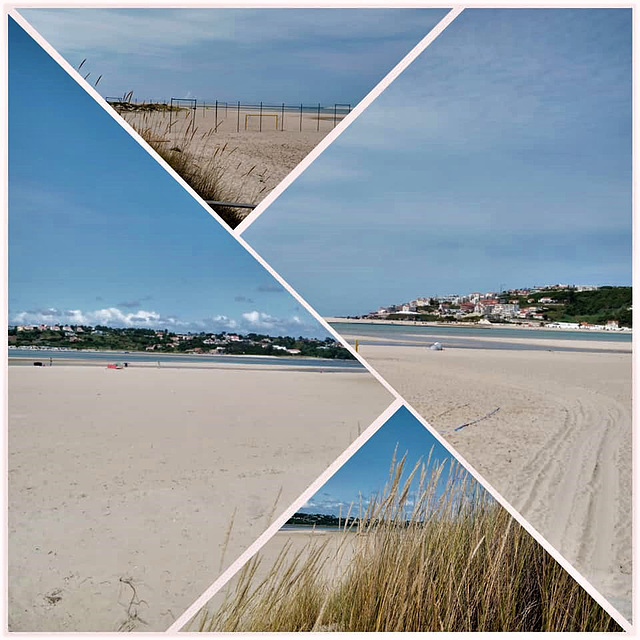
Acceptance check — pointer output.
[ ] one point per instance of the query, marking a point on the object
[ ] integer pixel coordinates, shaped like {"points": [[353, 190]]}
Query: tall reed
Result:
{"points": [[432, 552], [204, 165]]}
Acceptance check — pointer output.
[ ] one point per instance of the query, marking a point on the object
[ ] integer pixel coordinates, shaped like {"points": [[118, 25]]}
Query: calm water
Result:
{"points": [[472, 337], [132, 357]]}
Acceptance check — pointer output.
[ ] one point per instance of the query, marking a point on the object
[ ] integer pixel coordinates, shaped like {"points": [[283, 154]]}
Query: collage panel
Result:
{"points": [[233, 99], [401, 538], [471, 236], [167, 395]]}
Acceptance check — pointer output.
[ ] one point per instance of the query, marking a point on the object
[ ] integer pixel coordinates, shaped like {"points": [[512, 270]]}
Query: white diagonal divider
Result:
{"points": [[304, 497], [355, 113]]}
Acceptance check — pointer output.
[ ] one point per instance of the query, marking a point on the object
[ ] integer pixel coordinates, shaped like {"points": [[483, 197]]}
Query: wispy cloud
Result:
{"points": [[158, 31], [318, 53], [130, 304], [270, 288]]}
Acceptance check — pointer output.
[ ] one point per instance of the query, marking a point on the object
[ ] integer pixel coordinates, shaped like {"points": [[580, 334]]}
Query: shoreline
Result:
{"points": [[561, 344], [424, 323], [169, 354], [194, 366]]}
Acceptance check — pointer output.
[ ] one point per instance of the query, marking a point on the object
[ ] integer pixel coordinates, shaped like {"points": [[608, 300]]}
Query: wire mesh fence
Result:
{"points": [[237, 117]]}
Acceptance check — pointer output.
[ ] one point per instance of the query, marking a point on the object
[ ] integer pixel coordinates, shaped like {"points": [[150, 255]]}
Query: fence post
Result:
{"points": [[238, 126], [300, 117], [318, 127], [260, 116], [335, 112], [282, 119], [216, 127]]}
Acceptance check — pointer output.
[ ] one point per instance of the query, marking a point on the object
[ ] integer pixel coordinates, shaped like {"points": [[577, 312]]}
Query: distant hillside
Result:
{"points": [[318, 519], [149, 340], [596, 307]]}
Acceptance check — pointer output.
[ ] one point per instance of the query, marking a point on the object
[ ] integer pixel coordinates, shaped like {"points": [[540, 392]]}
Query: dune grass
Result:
{"points": [[198, 160], [433, 552]]}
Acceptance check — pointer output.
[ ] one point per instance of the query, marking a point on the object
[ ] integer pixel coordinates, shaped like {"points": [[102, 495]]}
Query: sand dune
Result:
{"points": [[130, 479], [558, 448], [251, 162]]}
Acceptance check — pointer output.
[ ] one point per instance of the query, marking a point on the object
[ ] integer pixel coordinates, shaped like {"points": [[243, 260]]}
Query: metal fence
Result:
{"points": [[238, 116]]}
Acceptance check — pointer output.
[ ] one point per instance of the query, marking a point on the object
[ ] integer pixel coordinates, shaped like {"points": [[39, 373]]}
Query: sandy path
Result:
{"points": [[558, 449], [136, 474]]}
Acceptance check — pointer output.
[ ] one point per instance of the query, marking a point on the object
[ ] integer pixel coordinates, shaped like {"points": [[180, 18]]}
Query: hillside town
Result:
{"points": [[560, 306], [58, 336]]}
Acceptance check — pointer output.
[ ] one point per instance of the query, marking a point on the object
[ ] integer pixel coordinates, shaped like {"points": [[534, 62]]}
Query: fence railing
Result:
{"points": [[238, 116], [235, 205]]}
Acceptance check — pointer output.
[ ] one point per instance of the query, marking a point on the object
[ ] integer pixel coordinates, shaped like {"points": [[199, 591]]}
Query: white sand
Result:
{"points": [[558, 449], [135, 475]]}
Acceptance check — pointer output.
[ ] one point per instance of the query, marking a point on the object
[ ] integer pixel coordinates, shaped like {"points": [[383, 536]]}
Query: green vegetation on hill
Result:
{"points": [[595, 307], [319, 519], [149, 340]]}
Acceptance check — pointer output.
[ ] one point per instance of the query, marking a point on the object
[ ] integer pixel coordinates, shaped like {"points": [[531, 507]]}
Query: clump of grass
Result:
{"points": [[198, 160], [440, 557]]}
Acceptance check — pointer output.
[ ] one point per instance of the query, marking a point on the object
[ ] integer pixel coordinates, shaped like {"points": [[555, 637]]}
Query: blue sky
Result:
{"points": [[99, 232], [501, 157], [273, 55], [367, 471]]}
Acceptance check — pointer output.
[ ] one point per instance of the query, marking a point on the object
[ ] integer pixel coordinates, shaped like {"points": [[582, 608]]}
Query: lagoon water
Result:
{"points": [[20, 356], [472, 337]]}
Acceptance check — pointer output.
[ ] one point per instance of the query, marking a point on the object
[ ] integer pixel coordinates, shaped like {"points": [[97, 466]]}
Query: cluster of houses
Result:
{"points": [[72, 332], [213, 343], [492, 306], [612, 325]]}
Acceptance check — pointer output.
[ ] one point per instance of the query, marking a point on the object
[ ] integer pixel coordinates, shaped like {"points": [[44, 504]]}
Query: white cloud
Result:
{"points": [[111, 316], [224, 322], [259, 319], [249, 322]]}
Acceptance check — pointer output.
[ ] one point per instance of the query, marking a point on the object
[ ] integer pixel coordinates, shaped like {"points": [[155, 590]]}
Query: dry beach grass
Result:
{"points": [[221, 163], [442, 556]]}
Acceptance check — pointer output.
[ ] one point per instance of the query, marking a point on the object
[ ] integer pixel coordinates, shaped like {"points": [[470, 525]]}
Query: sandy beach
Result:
{"points": [[252, 162], [558, 448], [123, 484]]}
